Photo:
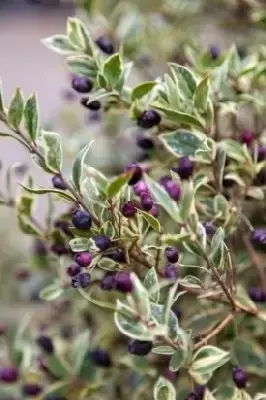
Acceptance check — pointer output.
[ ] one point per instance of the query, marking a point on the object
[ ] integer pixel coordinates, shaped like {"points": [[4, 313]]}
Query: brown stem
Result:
{"points": [[215, 331], [255, 259]]}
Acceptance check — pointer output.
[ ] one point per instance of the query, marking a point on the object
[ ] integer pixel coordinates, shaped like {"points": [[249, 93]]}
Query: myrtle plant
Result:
{"points": [[165, 260]]}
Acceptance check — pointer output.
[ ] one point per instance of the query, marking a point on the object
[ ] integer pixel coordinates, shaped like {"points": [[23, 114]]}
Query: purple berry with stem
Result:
{"points": [[105, 44], [172, 254], [171, 271], [123, 282], [129, 209], [149, 119], [81, 84], [239, 377], [83, 259], [139, 347], [173, 189], [146, 201], [136, 171], [185, 168], [81, 219], [73, 270], [103, 242]]}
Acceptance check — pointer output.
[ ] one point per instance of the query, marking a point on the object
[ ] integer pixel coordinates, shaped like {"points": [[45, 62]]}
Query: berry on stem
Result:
{"points": [[139, 347], [172, 254], [46, 344], [239, 377], [81, 84], [123, 282], [154, 211], [81, 219], [8, 374], [101, 358], [185, 168], [83, 259], [31, 390], [144, 142], [214, 52], [257, 294], [258, 236], [117, 255], [105, 44], [146, 201], [140, 187], [58, 183], [108, 283], [171, 271], [173, 189], [128, 209], [247, 137], [73, 270], [81, 281], [136, 171], [103, 242], [149, 119], [261, 152]]}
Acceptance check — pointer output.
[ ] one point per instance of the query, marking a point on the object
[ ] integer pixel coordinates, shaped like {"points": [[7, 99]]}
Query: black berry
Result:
{"points": [[102, 242], [136, 171], [81, 281], [172, 254], [209, 228], [139, 347], [81, 219], [145, 143], [46, 344], [105, 44], [81, 84], [58, 183], [149, 119], [59, 249], [73, 270], [101, 358], [257, 294], [31, 390]]}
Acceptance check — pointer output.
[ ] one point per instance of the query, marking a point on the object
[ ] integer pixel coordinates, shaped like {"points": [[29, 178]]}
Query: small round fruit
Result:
{"points": [[81, 219], [239, 377], [149, 119], [139, 347], [81, 84], [46, 344], [73, 270], [136, 171], [81, 281], [146, 201], [105, 44], [172, 254], [128, 209], [83, 259], [103, 242], [58, 183], [101, 358]]}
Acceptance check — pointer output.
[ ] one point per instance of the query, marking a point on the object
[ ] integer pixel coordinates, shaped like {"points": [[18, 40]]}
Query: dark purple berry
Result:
{"points": [[46, 344], [146, 202], [140, 187], [173, 189], [73, 270], [31, 390], [58, 183], [171, 272], [81, 219], [257, 294], [102, 242], [22, 274], [164, 179], [83, 259], [239, 377], [149, 119], [258, 236], [170, 375], [8, 374], [117, 255], [145, 143], [94, 105], [192, 396], [247, 137], [81, 281], [81, 84], [105, 44], [154, 211], [172, 254], [128, 209], [136, 171], [214, 52], [123, 282], [139, 347], [108, 283], [261, 152], [200, 390], [209, 228], [101, 358], [3, 328], [185, 168], [59, 249]]}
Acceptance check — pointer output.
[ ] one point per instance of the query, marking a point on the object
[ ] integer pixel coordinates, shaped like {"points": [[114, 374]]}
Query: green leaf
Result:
{"points": [[234, 150], [151, 283], [205, 361], [52, 151], [141, 90], [79, 350], [185, 78], [152, 221], [59, 44], [78, 34], [15, 111], [200, 98], [186, 204], [164, 350], [51, 292], [82, 65], [227, 392], [177, 360], [217, 247], [1, 99], [57, 366], [174, 240], [250, 356], [99, 180], [132, 328], [164, 390], [31, 116], [221, 206], [79, 244], [184, 143], [108, 264], [112, 69], [117, 184], [220, 162], [162, 198], [178, 116], [78, 165], [166, 318], [102, 81], [61, 193], [141, 297]]}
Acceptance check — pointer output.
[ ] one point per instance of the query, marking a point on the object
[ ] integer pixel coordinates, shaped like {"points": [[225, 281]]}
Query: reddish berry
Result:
{"points": [[8, 374], [128, 209], [83, 259], [123, 282], [173, 189], [154, 211], [247, 137], [141, 187]]}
